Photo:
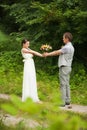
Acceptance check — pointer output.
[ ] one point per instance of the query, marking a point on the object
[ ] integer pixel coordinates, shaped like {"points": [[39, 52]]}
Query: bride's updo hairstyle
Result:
{"points": [[24, 41]]}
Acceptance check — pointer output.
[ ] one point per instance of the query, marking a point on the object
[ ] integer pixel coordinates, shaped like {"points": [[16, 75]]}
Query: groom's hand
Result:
{"points": [[45, 54]]}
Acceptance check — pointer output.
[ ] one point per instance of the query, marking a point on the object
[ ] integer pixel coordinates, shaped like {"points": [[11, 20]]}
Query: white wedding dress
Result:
{"points": [[29, 78]]}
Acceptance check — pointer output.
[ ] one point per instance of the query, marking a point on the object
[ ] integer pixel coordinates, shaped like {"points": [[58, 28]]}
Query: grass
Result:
{"points": [[48, 86]]}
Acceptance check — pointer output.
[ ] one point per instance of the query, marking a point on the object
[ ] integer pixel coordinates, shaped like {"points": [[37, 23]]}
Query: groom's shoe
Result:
{"points": [[67, 103], [69, 106]]}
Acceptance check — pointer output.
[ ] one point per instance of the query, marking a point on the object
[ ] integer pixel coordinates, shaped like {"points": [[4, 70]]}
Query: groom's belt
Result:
{"points": [[63, 66]]}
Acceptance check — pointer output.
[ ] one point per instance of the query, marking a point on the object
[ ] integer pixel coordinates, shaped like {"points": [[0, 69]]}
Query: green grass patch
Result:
{"points": [[48, 86]]}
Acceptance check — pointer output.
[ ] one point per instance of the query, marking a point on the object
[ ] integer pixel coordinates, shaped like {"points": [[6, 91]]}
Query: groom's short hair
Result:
{"points": [[68, 35]]}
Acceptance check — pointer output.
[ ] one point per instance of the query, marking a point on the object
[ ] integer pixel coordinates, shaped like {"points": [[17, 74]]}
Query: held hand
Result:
{"points": [[45, 54], [42, 55]]}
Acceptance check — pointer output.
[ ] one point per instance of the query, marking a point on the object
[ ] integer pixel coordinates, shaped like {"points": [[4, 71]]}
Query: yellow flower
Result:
{"points": [[45, 47]]}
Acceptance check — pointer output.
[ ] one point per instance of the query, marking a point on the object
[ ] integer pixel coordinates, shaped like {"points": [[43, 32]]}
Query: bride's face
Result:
{"points": [[27, 44]]}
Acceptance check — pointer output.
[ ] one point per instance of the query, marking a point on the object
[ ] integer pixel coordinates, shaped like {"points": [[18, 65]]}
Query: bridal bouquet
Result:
{"points": [[45, 48]]}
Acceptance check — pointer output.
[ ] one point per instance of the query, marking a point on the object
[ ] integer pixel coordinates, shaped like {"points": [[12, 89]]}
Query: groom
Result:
{"points": [[64, 63]]}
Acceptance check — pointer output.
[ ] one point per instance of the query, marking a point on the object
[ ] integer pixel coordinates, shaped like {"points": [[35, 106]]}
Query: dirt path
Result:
{"points": [[76, 108]]}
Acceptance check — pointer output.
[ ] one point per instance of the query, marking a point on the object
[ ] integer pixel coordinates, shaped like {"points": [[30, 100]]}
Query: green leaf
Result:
{"points": [[10, 109]]}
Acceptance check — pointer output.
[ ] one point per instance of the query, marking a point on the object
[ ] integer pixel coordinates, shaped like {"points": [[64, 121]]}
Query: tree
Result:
{"points": [[46, 21]]}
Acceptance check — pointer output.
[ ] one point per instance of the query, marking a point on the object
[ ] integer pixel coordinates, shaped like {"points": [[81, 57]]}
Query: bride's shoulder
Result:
{"points": [[23, 49]]}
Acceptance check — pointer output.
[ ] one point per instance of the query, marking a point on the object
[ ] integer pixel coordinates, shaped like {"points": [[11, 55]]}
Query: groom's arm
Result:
{"points": [[53, 53]]}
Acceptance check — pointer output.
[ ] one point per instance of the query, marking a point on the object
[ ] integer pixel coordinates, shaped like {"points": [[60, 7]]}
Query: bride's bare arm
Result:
{"points": [[32, 52], [35, 53]]}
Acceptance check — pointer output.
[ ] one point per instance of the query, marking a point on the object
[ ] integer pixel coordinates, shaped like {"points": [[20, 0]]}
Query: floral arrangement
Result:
{"points": [[46, 47]]}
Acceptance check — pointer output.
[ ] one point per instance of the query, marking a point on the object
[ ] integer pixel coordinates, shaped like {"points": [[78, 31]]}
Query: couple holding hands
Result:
{"points": [[66, 53]]}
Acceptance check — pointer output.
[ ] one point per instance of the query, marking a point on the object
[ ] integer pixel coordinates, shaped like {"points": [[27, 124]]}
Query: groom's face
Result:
{"points": [[65, 40]]}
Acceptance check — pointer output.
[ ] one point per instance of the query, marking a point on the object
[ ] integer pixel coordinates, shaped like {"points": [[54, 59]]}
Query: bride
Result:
{"points": [[29, 89]]}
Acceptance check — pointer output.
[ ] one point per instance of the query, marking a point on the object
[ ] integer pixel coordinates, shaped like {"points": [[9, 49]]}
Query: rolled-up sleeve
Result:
{"points": [[64, 50]]}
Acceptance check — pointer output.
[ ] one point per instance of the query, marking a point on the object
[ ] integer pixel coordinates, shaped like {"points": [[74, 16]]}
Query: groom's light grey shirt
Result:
{"points": [[66, 57]]}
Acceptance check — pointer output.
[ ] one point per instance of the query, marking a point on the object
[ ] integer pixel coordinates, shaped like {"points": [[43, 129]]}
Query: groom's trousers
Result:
{"points": [[64, 77]]}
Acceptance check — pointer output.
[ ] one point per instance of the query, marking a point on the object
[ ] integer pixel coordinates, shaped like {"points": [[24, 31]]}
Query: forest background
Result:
{"points": [[43, 22]]}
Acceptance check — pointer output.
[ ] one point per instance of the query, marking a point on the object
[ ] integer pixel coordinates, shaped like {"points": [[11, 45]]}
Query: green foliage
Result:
{"points": [[10, 60], [79, 74], [79, 83], [17, 106], [44, 22], [48, 117], [63, 123], [47, 22], [3, 37], [11, 82]]}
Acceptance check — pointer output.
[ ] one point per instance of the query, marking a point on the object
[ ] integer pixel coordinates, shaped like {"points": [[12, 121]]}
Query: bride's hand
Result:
{"points": [[42, 55], [45, 54]]}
